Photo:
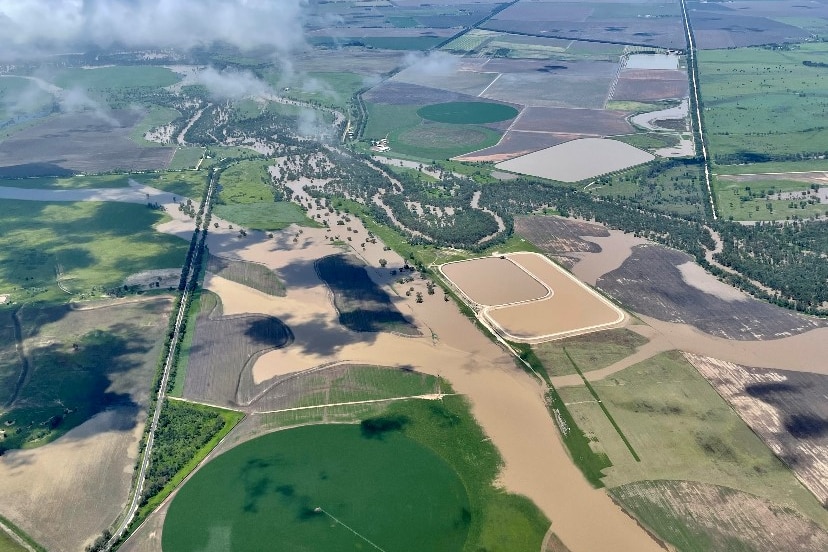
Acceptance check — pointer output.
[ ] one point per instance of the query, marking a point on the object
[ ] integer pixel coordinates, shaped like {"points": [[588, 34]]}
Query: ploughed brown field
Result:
{"points": [[570, 309]]}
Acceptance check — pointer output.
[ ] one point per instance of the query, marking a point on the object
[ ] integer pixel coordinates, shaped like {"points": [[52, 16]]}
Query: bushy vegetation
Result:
{"points": [[185, 432]]}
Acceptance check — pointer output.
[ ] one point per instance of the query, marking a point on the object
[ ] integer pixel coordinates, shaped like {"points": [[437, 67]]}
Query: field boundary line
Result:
{"points": [[692, 69], [489, 85], [202, 403], [427, 397], [603, 407]]}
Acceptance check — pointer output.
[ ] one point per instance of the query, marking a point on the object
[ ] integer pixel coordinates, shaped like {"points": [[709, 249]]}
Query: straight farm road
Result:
{"points": [[169, 361]]}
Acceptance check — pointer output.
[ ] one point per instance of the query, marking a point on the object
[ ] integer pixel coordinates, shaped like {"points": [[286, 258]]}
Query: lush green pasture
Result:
{"points": [[185, 158], [467, 112], [384, 119], [90, 246], [749, 200], [442, 141], [156, 116], [409, 135], [667, 185], [188, 184], [323, 488], [591, 351], [21, 97], [496, 520], [774, 167], [763, 104], [245, 182], [329, 88], [127, 76], [273, 215], [8, 544], [71, 182], [682, 430], [79, 363]]}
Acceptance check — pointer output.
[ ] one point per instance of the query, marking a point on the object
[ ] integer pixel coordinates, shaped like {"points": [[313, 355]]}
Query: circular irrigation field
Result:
{"points": [[326, 487], [467, 112]]}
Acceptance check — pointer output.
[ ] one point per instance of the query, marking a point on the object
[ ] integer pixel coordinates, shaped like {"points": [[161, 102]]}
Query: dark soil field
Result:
{"points": [[650, 282], [225, 346], [80, 143], [718, 26], [246, 273], [594, 122], [558, 236], [403, 93], [785, 409], [362, 305], [625, 26], [644, 85], [581, 84], [515, 143], [699, 517]]}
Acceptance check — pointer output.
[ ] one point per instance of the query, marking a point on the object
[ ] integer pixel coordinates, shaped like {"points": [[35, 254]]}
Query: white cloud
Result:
{"points": [[231, 85], [30, 26]]}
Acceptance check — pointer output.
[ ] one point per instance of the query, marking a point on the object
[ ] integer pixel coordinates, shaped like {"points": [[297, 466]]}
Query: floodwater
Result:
{"points": [[494, 281], [572, 308], [652, 61], [578, 160]]}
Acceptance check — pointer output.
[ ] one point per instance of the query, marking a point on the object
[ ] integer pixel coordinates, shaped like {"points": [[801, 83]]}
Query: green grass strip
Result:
{"points": [[604, 408], [20, 533]]}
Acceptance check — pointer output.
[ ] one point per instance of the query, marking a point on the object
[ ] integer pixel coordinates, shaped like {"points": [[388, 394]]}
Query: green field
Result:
{"points": [[329, 88], [411, 136], [8, 544], [273, 215], [682, 430], [373, 485], [21, 97], [591, 351], [467, 112], [496, 520], [749, 200], [102, 78], [79, 363], [380, 42], [190, 184], [156, 116], [186, 158], [92, 246], [70, 183], [246, 198], [763, 104]]}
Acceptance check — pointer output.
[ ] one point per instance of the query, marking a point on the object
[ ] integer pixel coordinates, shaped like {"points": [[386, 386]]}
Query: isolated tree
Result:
{"points": [[383, 262]]}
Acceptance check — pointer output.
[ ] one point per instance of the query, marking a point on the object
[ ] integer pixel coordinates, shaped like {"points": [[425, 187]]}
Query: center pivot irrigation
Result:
{"points": [[319, 509]]}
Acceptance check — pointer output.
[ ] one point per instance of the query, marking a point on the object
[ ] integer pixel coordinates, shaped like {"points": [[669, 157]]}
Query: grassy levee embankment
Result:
{"points": [[11, 544]]}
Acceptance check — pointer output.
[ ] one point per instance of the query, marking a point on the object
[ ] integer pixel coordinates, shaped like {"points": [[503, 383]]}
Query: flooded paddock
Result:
{"points": [[570, 308]]}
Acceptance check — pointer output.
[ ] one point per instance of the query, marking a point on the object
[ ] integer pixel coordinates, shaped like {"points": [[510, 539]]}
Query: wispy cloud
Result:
{"points": [[44, 26]]}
